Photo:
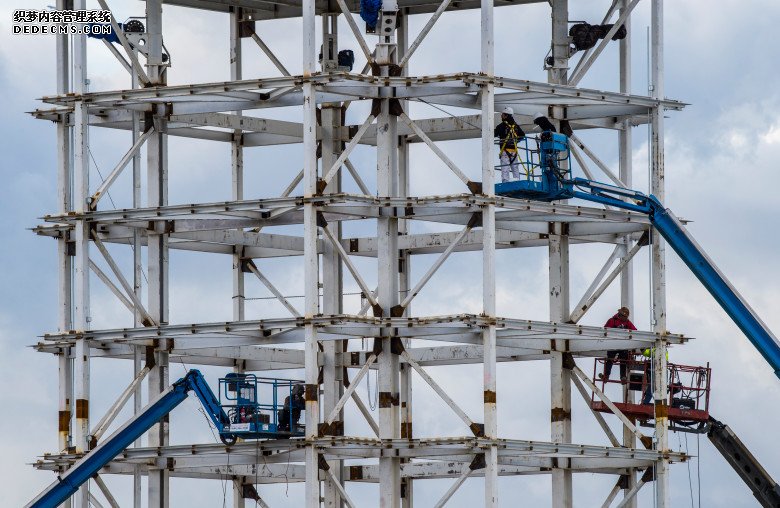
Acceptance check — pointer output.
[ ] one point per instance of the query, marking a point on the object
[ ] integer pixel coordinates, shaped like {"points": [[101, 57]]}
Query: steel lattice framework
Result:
{"points": [[315, 338]]}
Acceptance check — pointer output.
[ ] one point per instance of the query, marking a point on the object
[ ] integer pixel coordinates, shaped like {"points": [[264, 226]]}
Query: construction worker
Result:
{"points": [[508, 134], [544, 123], [649, 353], [619, 320], [290, 413]]}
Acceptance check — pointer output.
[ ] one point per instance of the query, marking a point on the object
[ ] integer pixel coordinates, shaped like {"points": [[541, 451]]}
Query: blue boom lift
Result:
{"points": [[241, 416], [548, 178]]}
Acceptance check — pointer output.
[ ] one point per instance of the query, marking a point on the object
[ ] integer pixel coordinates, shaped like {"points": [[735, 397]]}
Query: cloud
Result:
{"points": [[720, 160]]}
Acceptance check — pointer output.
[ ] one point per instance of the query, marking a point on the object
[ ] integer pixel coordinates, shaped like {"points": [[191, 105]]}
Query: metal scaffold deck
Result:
{"points": [[331, 236]]}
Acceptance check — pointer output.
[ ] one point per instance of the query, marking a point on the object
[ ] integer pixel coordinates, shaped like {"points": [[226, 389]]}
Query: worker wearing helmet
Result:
{"points": [[544, 123], [291, 411], [508, 134], [619, 320]]}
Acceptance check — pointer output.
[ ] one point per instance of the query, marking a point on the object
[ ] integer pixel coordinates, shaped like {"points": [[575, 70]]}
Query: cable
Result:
{"points": [[447, 113], [108, 194], [295, 296], [690, 482], [372, 403], [698, 468]]}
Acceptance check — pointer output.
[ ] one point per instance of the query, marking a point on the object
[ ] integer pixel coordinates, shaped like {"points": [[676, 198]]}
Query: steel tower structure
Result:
{"points": [[316, 338]]}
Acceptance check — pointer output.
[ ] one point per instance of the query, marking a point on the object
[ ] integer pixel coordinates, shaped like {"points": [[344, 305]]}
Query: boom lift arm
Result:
{"points": [[764, 488], [88, 466], [673, 231], [553, 181]]}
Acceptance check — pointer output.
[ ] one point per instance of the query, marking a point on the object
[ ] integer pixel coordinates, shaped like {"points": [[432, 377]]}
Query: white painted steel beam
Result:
{"points": [[117, 406], [267, 283], [120, 34], [583, 67], [112, 502], [598, 416], [121, 165], [586, 303], [453, 488], [148, 320], [81, 287], [270, 54], [424, 32], [580, 145], [438, 389], [328, 175], [623, 418], [111, 286], [658, 255]]}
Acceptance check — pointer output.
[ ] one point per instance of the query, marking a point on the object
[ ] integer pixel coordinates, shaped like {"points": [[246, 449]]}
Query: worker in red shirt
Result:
{"points": [[619, 320]]}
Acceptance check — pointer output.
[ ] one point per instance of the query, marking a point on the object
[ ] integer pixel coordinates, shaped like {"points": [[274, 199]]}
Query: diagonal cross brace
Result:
{"points": [[646, 441], [123, 162], [424, 32], [583, 307], [117, 406], [350, 266], [267, 283], [443, 257], [599, 417], [428, 141], [583, 67], [351, 388], [147, 318], [111, 286], [347, 150], [270, 54], [438, 389], [126, 45], [453, 488], [356, 31], [579, 144]]}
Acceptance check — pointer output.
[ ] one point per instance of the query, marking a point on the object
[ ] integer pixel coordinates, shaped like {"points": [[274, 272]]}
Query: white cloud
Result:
{"points": [[718, 175]]}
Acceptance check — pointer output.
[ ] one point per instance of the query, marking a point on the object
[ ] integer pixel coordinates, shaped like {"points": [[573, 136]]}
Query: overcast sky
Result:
{"points": [[721, 160]]}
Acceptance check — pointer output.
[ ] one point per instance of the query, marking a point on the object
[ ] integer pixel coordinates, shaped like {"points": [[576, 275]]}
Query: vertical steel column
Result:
{"points": [[404, 268], [657, 187], [237, 162], [237, 193], [81, 371], [627, 275], [157, 247], [64, 204], [489, 256], [310, 257], [139, 352], [387, 268], [332, 270], [560, 378]]}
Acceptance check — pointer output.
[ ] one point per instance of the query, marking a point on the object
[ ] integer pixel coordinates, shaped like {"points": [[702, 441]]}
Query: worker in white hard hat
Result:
{"points": [[508, 134], [544, 123]]}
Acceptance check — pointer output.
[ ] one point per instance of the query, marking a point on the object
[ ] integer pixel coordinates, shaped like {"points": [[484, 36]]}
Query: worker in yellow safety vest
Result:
{"points": [[509, 134], [649, 353]]}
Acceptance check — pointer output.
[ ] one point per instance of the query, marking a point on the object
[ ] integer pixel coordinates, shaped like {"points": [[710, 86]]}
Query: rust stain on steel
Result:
{"points": [[82, 408], [558, 414]]}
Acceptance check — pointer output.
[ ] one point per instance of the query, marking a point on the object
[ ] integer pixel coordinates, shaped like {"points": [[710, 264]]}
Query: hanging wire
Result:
{"points": [[372, 401], [295, 296], [698, 468], [108, 194], [447, 112], [688, 462]]}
